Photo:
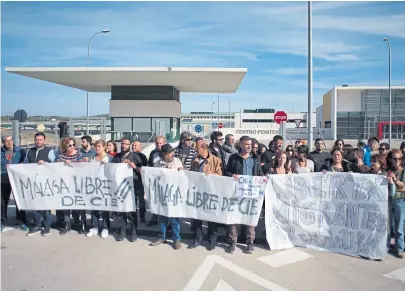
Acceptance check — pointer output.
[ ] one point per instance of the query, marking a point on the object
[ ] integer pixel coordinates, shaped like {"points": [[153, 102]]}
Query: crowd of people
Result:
{"points": [[223, 156]]}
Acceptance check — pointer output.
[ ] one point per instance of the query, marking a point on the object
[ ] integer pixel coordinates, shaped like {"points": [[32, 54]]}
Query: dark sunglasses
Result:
{"points": [[382, 149], [189, 139], [397, 159], [71, 145]]}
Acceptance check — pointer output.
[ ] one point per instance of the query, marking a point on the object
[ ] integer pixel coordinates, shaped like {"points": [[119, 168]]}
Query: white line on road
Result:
{"points": [[223, 286], [398, 274], [205, 268], [285, 258]]}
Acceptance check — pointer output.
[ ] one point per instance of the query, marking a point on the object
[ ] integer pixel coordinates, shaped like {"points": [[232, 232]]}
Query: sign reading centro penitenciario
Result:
{"points": [[258, 131]]}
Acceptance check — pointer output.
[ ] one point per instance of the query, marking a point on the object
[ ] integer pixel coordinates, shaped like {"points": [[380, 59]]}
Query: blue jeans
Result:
{"points": [[399, 218], [163, 221], [38, 215]]}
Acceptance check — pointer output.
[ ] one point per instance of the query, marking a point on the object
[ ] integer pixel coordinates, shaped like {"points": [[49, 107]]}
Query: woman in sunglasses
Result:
{"points": [[290, 152], [396, 202], [70, 155]]}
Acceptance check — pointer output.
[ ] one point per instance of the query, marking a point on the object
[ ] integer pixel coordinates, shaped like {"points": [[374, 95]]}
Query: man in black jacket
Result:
{"points": [[268, 157], [243, 163], [140, 191], [215, 148], [154, 155], [40, 154], [135, 162], [319, 155]]}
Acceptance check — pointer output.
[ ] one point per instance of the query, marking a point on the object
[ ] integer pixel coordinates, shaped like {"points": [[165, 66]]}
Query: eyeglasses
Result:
{"points": [[127, 144], [189, 139], [220, 139], [396, 159], [382, 149], [255, 148], [71, 145]]}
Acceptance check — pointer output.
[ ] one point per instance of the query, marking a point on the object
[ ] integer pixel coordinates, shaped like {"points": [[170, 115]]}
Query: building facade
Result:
{"points": [[362, 112]]}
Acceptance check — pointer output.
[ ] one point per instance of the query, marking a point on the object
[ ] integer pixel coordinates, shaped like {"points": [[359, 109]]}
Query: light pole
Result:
{"points": [[218, 112], [309, 116], [212, 110], [257, 118], [389, 89], [88, 61]]}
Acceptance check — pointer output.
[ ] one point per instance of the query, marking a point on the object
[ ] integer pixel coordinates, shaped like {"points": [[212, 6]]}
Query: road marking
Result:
{"points": [[205, 268], [223, 286], [285, 258], [398, 274]]}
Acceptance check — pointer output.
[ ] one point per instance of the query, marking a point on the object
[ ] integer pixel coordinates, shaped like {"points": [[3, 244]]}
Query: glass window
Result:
{"points": [[122, 124], [161, 125], [142, 124]]}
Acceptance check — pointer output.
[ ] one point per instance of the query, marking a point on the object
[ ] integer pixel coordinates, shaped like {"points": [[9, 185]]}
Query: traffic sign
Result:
{"points": [[214, 125], [298, 122], [198, 128], [40, 127], [220, 125], [280, 116], [20, 115]]}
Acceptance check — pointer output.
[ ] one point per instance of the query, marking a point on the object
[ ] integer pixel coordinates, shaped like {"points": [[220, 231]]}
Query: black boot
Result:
{"points": [[232, 248], [65, 229], [133, 237], [196, 243], [121, 235]]}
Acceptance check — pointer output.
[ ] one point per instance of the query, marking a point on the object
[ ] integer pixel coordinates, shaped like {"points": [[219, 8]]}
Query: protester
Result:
{"points": [[137, 149], [169, 161], [129, 218], [100, 220], [290, 152], [268, 158], [210, 165], [70, 155], [184, 151], [356, 162], [140, 191], [384, 149], [243, 163], [87, 151], [378, 165], [299, 142], [396, 179], [10, 155], [112, 148], [370, 149], [229, 147], [319, 155], [402, 149], [255, 148], [281, 164], [302, 164], [339, 143], [216, 149], [154, 155], [336, 164], [40, 154], [262, 148]]}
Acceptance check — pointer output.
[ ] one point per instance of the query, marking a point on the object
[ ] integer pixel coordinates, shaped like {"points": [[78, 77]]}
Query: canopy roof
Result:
{"points": [[100, 79]]}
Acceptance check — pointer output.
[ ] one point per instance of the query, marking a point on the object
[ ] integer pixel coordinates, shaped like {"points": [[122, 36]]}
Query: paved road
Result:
{"points": [[74, 262]]}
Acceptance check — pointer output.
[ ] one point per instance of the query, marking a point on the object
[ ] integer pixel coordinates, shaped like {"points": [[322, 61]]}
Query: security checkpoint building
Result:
{"points": [[143, 99]]}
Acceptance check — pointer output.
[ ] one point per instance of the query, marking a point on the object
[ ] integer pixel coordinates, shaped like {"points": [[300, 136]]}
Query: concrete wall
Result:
{"points": [[145, 108], [349, 100], [327, 107]]}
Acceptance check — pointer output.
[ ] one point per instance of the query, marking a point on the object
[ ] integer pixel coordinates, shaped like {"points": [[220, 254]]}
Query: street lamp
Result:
{"points": [[389, 89], [212, 110], [87, 65]]}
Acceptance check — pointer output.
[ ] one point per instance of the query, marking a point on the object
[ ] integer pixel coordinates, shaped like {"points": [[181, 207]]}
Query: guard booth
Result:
{"points": [[144, 101]]}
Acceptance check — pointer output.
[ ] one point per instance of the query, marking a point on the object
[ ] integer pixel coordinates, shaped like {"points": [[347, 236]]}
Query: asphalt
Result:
{"points": [[75, 262]]}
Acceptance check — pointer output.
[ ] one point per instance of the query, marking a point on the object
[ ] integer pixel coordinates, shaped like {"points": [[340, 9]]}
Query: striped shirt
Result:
{"points": [[73, 159]]}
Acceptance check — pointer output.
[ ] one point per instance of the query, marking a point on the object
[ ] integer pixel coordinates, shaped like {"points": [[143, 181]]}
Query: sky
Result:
{"points": [[267, 38]]}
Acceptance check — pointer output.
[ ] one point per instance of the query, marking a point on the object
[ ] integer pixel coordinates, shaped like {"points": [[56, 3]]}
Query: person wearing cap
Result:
{"points": [[207, 163], [184, 151], [168, 161]]}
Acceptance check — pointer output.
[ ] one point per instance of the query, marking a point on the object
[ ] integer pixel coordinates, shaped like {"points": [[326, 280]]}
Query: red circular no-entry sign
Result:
{"points": [[280, 116], [220, 125]]}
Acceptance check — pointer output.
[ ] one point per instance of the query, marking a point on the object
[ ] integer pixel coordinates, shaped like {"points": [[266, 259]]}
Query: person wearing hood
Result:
{"points": [[216, 148], [184, 151]]}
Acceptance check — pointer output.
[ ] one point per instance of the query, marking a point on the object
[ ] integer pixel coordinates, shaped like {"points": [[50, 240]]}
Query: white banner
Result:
{"points": [[195, 195], [338, 212], [78, 186]]}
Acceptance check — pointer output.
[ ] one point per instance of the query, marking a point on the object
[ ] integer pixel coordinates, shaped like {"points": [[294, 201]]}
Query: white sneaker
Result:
{"points": [[104, 233], [92, 232]]}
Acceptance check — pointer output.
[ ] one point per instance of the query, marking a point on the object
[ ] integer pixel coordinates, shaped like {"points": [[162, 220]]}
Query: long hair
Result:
{"points": [[114, 145], [287, 161], [389, 157]]}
